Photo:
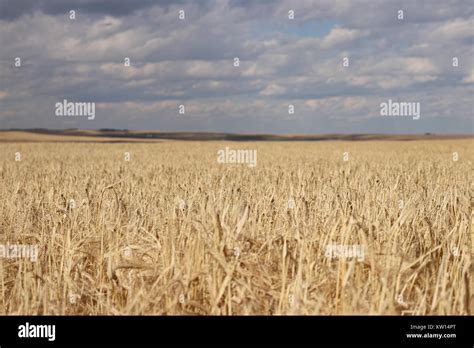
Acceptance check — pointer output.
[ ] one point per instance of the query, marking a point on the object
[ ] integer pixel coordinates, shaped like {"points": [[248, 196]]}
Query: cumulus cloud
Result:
{"points": [[469, 78], [339, 36], [282, 62]]}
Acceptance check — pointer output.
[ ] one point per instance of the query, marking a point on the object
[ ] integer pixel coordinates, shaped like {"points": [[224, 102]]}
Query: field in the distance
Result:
{"points": [[174, 232]]}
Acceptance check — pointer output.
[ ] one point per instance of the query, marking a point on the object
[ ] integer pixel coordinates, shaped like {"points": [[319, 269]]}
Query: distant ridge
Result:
{"points": [[112, 135]]}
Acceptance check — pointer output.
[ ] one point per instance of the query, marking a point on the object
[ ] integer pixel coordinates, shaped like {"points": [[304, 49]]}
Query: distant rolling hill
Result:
{"points": [[119, 136]]}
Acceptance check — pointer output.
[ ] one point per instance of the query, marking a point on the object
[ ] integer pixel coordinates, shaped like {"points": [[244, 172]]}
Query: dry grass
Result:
{"points": [[158, 234]]}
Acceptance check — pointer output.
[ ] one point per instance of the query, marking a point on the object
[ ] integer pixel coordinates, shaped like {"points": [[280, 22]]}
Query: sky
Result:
{"points": [[282, 62]]}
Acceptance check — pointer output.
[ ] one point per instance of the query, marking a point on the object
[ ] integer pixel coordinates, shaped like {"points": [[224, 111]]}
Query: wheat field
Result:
{"points": [[173, 232]]}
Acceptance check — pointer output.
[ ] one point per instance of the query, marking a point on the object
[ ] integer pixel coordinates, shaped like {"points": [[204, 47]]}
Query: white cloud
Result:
{"points": [[338, 36], [469, 78]]}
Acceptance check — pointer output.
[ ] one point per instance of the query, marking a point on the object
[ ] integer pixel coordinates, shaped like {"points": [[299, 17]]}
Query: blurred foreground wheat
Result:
{"points": [[174, 232]]}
